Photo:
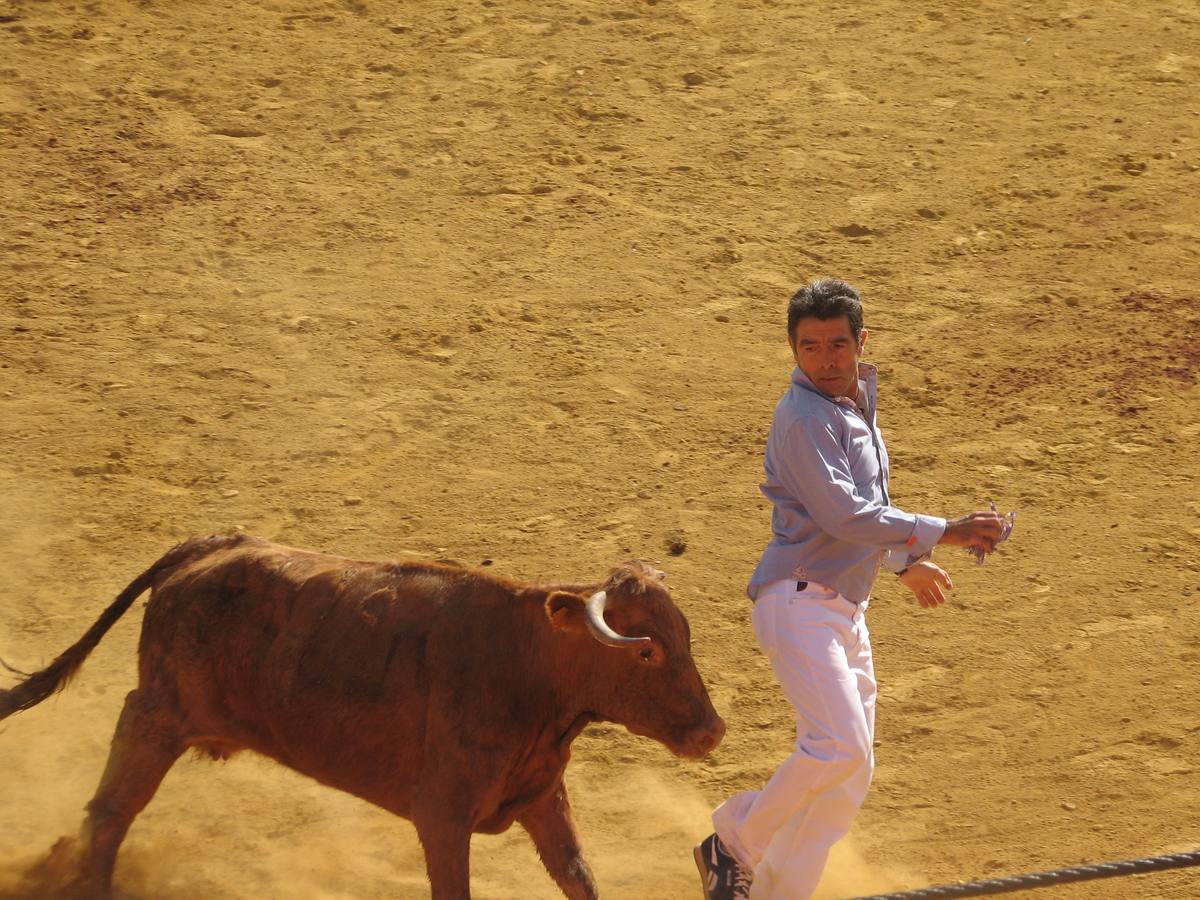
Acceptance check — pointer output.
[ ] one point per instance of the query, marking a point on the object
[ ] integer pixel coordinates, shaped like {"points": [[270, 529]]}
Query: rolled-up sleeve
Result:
{"points": [[813, 468]]}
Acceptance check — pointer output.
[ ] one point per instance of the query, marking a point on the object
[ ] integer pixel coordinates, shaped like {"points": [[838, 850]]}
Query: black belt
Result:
{"points": [[801, 585]]}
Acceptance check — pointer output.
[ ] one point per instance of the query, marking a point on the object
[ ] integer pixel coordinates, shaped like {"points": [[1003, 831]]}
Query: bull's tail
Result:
{"points": [[39, 685]]}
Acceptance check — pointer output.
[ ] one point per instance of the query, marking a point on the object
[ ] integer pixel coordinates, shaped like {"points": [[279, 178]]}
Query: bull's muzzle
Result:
{"points": [[701, 741]]}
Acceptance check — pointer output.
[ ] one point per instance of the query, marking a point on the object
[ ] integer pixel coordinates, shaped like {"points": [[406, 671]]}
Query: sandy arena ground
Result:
{"points": [[505, 280]]}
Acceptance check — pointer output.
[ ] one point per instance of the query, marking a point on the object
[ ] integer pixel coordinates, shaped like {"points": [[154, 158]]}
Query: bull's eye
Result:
{"points": [[646, 654]]}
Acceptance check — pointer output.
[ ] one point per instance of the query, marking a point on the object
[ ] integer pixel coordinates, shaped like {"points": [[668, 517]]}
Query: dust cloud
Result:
{"points": [[850, 874], [296, 840], [638, 826]]}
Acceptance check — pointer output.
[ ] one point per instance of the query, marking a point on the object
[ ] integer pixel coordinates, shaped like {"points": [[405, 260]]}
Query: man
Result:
{"points": [[834, 526]]}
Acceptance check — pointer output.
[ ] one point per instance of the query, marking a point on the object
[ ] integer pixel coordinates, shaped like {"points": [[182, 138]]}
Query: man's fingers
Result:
{"points": [[987, 534], [980, 542], [944, 579], [979, 529], [988, 523]]}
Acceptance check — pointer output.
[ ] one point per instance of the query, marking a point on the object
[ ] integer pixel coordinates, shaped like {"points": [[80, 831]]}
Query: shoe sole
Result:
{"points": [[698, 856]]}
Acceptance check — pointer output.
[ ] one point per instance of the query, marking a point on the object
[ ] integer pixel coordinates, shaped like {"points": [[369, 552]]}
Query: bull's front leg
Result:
{"points": [[550, 825], [447, 859], [444, 827]]}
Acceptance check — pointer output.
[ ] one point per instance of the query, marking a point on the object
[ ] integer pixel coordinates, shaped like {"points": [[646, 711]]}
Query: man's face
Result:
{"points": [[825, 351]]}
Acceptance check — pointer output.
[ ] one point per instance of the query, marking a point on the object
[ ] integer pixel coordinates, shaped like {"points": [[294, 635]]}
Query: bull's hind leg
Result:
{"points": [[146, 744]]}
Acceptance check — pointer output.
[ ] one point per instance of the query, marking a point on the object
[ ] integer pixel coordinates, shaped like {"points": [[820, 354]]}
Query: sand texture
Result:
{"points": [[505, 281]]}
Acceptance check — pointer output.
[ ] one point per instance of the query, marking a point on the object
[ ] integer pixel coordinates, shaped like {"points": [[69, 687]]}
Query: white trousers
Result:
{"points": [[819, 647]]}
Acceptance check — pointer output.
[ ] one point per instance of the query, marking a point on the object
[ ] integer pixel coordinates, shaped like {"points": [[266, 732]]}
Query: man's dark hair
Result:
{"points": [[826, 298]]}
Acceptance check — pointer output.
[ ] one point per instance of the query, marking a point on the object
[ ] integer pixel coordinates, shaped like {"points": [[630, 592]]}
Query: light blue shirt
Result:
{"points": [[827, 479]]}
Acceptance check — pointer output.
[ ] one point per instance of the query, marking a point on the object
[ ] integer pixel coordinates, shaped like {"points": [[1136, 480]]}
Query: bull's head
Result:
{"points": [[639, 660]]}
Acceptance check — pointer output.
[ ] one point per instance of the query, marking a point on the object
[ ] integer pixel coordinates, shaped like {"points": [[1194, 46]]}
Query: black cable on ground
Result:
{"points": [[1047, 879]]}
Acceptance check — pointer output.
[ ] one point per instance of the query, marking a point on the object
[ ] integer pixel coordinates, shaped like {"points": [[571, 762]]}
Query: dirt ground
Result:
{"points": [[506, 280]]}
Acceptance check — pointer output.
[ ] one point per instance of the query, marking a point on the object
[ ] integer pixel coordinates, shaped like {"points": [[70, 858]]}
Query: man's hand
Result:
{"points": [[980, 530], [927, 580]]}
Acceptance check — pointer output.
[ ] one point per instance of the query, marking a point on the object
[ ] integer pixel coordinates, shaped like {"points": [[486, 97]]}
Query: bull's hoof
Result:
{"points": [[57, 877]]}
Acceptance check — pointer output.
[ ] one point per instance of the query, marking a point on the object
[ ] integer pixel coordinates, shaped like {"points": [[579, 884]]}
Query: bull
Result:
{"points": [[445, 695]]}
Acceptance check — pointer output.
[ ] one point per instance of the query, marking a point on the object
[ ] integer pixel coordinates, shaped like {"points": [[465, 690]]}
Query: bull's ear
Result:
{"points": [[566, 611]]}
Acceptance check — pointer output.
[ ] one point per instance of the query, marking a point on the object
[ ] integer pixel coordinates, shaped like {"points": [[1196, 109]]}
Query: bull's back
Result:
{"points": [[314, 660]]}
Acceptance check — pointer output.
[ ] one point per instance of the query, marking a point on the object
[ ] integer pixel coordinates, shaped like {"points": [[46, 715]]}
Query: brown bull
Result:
{"points": [[447, 696]]}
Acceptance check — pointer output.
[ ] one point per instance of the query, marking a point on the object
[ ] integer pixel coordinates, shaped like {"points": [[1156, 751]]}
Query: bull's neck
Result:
{"points": [[572, 673], [580, 722]]}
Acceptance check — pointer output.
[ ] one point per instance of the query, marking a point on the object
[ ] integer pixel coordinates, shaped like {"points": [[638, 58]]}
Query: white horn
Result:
{"points": [[599, 628]]}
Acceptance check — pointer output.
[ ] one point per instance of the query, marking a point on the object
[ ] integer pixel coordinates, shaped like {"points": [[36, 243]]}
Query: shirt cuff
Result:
{"points": [[896, 561], [925, 535]]}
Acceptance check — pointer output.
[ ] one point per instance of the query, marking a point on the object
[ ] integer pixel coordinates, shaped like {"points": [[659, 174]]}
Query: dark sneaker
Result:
{"points": [[723, 877]]}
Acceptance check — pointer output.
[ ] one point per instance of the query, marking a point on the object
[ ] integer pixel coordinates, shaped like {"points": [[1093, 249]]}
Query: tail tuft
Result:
{"points": [[36, 688]]}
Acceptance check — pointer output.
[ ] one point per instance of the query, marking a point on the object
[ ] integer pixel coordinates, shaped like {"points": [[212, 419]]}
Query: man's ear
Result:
{"points": [[566, 611]]}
